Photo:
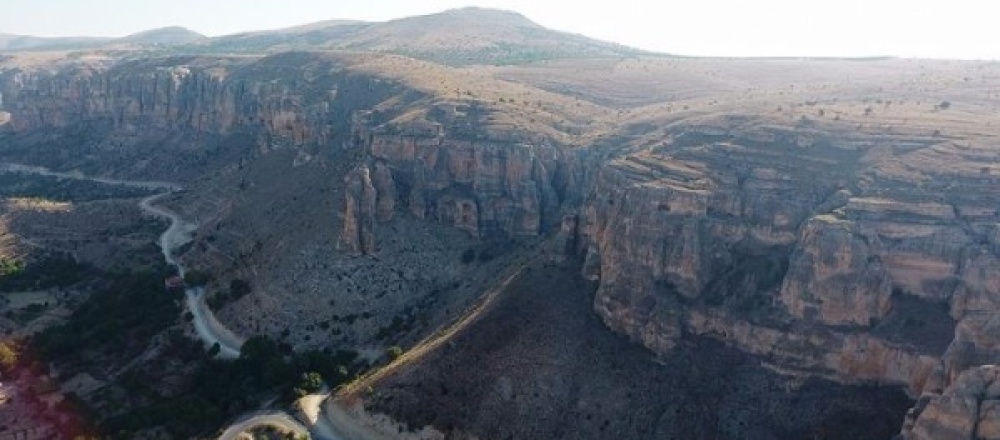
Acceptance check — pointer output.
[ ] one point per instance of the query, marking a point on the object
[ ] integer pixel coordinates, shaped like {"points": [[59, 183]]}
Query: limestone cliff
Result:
{"points": [[810, 249], [969, 408], [853, 251], [149, 109], [487, 188]]}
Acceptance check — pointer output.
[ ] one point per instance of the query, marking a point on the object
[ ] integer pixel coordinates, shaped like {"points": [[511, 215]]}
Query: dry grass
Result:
{"points": [[511, 106]]}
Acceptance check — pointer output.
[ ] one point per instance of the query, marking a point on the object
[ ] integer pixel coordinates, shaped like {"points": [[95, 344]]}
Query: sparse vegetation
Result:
{"points": [[394, 352], [33, 186], [55, 270]]}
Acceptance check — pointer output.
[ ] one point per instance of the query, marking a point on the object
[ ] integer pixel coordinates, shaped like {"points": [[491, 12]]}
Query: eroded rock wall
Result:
{"points": [[487, 188], [293, 98], [826, 253]]}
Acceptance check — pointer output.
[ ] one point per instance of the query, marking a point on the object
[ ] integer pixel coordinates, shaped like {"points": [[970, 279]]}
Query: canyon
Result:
{"points": [[638, 235]]}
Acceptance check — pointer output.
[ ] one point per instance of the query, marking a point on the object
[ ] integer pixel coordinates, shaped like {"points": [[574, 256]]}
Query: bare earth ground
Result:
{"points": [[541, 364], [306, 290]]}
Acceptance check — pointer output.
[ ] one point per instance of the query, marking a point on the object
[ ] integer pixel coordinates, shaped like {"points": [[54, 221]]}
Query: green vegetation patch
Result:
{"points": [[65, 190], [57, 270]]}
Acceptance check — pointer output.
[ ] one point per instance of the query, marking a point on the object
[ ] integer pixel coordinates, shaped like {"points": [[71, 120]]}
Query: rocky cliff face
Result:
{"points": [[969, 408], [294, 99], [487, 188], [822, 248], [822, 252]]}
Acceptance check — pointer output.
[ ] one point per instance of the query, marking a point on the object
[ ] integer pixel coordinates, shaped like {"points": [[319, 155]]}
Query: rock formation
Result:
{"points": [[849, 250], [486, 188], [969, 408]]}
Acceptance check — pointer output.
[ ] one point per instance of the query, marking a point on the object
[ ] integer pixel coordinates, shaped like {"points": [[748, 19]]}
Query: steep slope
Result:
{"points": [[538, 363]]}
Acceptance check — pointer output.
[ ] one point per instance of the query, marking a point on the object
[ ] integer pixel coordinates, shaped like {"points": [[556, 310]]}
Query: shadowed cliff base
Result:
{"points": [[540, 364]]}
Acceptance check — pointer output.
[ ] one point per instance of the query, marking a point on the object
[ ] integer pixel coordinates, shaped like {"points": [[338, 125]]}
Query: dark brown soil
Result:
{"points": [[541, 364]]}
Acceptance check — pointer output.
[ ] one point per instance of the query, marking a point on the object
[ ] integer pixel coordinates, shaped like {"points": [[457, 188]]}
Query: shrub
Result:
{"points": [[468, 256], [196, 278], [238, 288], [311, 382]]}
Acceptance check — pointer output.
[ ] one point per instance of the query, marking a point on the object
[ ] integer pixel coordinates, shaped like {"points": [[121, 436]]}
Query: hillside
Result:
{"points": [[170, 36], [455, 37], [586, 245], [14, 43]]}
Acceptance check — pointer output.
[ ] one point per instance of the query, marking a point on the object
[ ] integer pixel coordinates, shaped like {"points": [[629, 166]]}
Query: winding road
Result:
{"points": [[209, 330], [207, 327]]}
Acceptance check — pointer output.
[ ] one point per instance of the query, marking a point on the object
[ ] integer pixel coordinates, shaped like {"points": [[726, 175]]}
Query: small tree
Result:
{"points": [[468, 256], [238, 288], [394, 352], [196, 278], [311, 382]]}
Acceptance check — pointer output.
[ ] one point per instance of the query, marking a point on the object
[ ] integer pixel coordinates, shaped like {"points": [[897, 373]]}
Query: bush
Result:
{"points": [[58, 270], [394, 352], [238, 289], [468, 256], [196, 278], [311, 382]]}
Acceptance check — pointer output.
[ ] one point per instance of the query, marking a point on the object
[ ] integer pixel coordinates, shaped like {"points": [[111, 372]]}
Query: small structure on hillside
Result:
{"points": [[174, 283]]}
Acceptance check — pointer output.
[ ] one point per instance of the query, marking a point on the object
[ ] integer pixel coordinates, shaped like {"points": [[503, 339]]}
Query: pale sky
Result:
{"points": [[915, 28]]}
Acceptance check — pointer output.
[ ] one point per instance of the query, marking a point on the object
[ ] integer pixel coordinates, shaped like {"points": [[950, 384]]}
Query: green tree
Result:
{"points": [[311, 382], [394, 352], [261, 357]]}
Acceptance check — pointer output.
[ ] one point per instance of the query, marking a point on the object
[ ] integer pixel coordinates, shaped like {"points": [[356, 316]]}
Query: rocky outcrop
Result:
{"points": [[294, 98], [486, 188], [821, 249], [359, 212], [834, 277], [969, 408], [812, 249]]}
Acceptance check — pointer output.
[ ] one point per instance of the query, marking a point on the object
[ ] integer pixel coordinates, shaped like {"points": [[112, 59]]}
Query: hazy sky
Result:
{"points": [[921, 28]]}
